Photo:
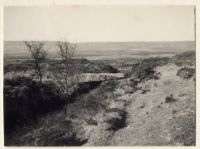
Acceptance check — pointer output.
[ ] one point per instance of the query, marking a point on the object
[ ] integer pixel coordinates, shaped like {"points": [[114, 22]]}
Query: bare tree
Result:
{"points": [[67, 78], [38, 54]]}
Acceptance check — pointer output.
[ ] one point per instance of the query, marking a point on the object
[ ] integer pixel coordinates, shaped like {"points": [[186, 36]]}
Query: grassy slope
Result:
{"points": [[67, 126]]}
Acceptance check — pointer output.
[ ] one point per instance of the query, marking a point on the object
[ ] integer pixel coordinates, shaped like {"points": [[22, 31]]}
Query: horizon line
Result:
{"points": [[96, 41]]}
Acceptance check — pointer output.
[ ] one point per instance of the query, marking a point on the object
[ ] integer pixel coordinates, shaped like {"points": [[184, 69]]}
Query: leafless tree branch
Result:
{"points": [[38, 54]]}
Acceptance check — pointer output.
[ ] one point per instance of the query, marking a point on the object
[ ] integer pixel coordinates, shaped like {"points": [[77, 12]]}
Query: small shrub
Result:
{"points": [[25, 100], [144, 70], [169, 99], [57, 136], [91, 122], [142, 106], [174, 111], [145, 91], [185, 72], [116, 122]]}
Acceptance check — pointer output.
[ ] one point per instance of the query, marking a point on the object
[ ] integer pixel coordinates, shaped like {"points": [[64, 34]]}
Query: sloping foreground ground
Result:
{"points": [[153, 121], [31, 121]]}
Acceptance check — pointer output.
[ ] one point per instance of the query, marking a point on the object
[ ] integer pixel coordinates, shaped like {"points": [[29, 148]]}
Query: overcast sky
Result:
{"points": [[99, 23]]}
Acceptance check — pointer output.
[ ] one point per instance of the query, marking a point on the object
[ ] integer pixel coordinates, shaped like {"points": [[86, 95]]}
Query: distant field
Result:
{"points": [[106, 50]]}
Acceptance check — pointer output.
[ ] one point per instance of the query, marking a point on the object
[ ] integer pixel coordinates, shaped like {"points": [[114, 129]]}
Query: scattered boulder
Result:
{"points": [[185, 72]]}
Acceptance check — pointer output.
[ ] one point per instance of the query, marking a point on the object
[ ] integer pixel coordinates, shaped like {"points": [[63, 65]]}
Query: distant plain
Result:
{"points": [[105, 50]]}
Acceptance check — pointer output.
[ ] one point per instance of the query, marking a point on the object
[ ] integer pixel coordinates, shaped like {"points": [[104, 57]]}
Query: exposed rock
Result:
{"points": [[92, 77]]}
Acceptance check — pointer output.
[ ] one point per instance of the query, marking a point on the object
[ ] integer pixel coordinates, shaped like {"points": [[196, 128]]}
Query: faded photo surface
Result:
{"points": [[99, 75]]}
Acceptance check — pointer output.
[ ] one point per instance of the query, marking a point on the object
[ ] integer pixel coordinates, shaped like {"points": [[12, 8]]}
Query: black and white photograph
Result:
{"points": [[99, 75]]}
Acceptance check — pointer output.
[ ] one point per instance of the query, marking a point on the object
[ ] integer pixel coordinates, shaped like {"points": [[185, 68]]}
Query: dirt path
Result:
{"points": [[151, 121]]}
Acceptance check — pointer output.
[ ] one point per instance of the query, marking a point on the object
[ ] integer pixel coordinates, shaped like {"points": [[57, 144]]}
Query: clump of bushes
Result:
{"points": [[18, 66], [61, 133], [186, 73], [144, 70], [25, 100], [116, 118], [95, 68], [186, 58], [91, 121], [51, 66], [94, 102]]}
